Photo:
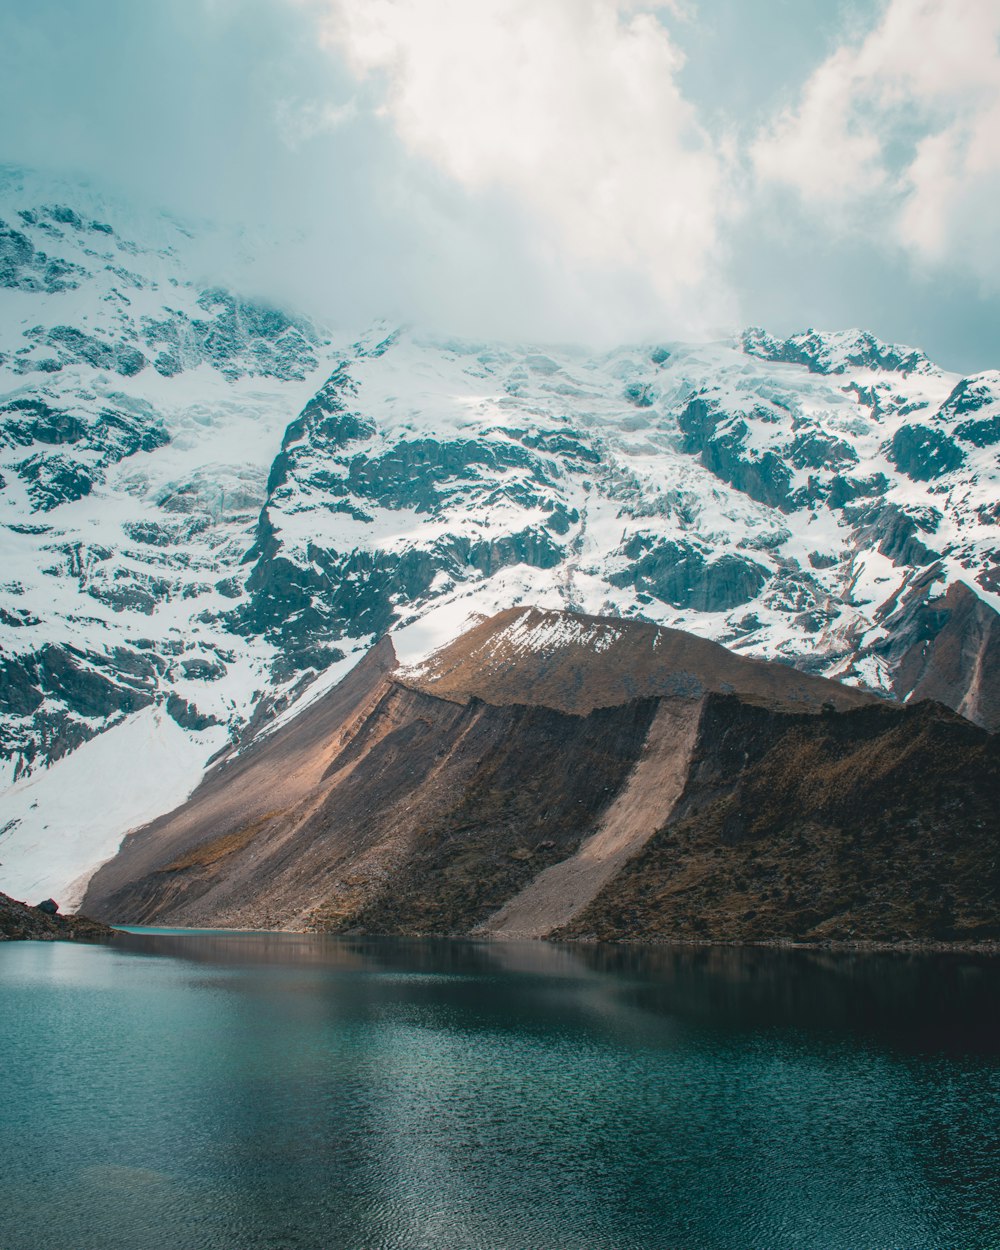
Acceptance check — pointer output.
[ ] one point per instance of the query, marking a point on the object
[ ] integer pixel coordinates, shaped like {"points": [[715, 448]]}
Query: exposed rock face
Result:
{"points": [[957, 662], [839, 353], [925, 453], [550, 773], [19, 922]]}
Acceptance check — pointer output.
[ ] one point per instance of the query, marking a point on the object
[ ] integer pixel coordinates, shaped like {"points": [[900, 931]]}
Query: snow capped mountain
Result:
{"points": [[138, 415], [210, 506], [800, 509]]}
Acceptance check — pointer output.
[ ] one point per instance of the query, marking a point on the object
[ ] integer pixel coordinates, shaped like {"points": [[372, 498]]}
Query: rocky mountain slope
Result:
{"points": [[211, 507], [880, 824], [551, 773]]}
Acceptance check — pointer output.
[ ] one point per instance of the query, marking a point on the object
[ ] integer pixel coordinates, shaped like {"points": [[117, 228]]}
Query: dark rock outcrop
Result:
{"points": [[681, 575], [23, 267], [850, 349], [19, 922], [722, 442], [924, 453]]}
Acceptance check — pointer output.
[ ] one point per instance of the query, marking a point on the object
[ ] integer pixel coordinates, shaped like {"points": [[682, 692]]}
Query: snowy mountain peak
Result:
{"points": [[836, 352]]}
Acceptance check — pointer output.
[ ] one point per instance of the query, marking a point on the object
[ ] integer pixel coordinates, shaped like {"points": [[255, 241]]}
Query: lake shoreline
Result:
{"points": [[905, 946]]}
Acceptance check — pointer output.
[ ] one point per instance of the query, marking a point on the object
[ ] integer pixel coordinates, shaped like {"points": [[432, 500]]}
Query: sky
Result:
{"points": [[561, 170]]}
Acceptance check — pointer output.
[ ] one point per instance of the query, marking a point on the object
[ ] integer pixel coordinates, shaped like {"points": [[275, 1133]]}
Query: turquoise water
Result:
{"points": [[270, 1092]]}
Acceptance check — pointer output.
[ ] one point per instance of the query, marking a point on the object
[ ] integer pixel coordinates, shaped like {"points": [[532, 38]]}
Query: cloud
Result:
{"points": [[900, 131], [552, 171], [570, 109], [298, 121]]}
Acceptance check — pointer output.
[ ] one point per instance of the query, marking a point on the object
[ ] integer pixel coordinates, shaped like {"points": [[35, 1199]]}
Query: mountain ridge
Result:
{"points": [[508, 658]]}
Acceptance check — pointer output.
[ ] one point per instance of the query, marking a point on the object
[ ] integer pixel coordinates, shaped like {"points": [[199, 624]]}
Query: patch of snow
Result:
{"points": [[58, 826]]}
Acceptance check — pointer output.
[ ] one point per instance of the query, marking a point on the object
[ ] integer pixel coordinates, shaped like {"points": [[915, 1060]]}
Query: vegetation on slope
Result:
{"points": [[877, 824]]}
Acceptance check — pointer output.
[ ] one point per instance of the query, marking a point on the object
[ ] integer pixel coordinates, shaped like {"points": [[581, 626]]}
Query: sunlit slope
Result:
{"points": [[457, 799]]}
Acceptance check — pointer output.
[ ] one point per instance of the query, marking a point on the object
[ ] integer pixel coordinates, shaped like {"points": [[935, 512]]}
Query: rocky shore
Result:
{"points": [[20, 922]]}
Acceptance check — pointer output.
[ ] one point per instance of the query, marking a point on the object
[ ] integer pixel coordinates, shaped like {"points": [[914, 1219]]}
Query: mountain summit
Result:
{"points": [[576, 663]]}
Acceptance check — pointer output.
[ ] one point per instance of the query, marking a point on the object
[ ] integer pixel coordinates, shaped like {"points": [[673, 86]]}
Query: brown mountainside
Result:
{"points": [[574, 663], [878, 824], [534, 776], [257, 792], [955, 657]]}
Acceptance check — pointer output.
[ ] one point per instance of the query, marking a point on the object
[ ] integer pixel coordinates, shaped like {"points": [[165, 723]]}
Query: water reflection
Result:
{"points": [[257, 1092], [917, 1002]]}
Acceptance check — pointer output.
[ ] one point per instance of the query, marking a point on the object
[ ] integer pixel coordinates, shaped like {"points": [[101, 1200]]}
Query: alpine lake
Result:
{"points": [[239, 1091]]}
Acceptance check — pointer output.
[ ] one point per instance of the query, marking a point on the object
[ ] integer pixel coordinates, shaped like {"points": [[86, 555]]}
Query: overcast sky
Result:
{"points": [[599, 170]]}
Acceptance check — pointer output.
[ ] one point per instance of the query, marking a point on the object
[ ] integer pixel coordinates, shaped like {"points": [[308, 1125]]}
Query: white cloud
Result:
{"points": [[570, 108], [902, 130], [299, 121], [822, 149]]}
